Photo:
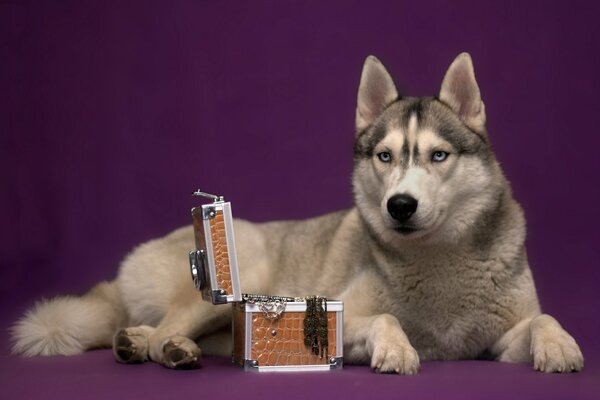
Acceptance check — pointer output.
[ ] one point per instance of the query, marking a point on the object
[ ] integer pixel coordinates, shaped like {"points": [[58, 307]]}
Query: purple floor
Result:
{"points": [[95, 375]]}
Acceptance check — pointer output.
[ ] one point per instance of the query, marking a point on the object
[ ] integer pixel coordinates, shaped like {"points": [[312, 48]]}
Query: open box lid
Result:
{"points": [[214, 263]]}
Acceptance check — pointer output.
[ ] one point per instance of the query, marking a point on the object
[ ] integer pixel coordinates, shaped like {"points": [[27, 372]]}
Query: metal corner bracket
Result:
{"points": [[336, 362], [218, 296], [251, 365], [209, 212]]}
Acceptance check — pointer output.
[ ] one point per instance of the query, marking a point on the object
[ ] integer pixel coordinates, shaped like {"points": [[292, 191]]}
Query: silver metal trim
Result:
{"points": [[339, 333], [297, 306], [253, 366], [210, 256], [248, 335], [233, 263]]}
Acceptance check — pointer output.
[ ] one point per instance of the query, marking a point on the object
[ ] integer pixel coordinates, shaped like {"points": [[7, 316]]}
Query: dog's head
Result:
{"points": [[424, 169]]}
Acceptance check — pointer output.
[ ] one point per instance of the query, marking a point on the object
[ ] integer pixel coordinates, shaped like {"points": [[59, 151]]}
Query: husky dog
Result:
{"points": [[430, 264]]}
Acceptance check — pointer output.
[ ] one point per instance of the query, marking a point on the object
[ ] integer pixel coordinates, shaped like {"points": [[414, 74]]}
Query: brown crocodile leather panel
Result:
{"points": [[199, 229], [281, 342], [219, 242]]}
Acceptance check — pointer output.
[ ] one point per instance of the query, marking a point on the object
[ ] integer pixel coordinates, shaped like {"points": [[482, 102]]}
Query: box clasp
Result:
{"points": [[197, 268]]}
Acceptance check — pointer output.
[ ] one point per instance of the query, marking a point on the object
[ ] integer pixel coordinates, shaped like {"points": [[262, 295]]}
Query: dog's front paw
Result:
{"points": [[180, 352], [395, 357], [130, 345], [556, 351]]}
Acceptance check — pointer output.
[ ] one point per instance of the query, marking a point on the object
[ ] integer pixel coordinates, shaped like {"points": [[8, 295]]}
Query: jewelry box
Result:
{"points": [[270, 333]]}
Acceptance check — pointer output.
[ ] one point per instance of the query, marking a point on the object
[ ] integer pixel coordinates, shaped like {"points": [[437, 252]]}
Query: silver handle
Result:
{"points": [[213, 197]]}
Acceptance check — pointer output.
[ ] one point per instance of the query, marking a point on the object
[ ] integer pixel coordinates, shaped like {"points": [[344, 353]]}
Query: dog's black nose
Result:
{"points": [[402, 206]]}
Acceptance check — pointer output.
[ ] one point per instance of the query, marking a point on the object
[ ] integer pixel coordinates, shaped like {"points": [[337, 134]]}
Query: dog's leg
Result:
{"points": [[172, 343], [514, 346], [131, 345], [543, 341], [380, 339], [370, 335]]}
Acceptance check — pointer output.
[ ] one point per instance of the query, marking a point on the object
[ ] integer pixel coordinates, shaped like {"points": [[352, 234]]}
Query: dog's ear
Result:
{"points": [[375, 93], [461, 93]]}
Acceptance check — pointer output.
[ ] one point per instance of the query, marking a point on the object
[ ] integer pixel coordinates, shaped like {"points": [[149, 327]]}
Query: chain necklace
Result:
{"points": [[315, 325]]}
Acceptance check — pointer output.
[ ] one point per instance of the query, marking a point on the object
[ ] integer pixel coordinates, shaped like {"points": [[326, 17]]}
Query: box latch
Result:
{"points": [[198, 269]]}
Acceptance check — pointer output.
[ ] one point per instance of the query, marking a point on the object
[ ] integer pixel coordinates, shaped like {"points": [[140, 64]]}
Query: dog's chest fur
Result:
{"points": [[453, 303], [450, 305]]}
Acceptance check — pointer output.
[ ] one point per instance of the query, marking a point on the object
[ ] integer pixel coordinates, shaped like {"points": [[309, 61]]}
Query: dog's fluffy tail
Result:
{"points": [[69, 325]]}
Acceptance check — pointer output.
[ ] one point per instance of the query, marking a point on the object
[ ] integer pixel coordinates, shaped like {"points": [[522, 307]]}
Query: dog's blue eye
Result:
{"points": [[384, 156], [439, 156]]}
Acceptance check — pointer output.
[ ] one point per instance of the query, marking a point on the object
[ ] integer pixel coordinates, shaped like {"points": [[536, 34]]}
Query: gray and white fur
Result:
{"points": [[430, 263]]}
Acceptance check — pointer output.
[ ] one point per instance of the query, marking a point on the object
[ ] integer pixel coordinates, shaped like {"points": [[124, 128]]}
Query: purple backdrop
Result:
{"points": [[112, 112]]}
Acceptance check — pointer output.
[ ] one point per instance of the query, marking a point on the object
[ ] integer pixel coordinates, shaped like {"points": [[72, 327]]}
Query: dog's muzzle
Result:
{"points": [[402, 206]]}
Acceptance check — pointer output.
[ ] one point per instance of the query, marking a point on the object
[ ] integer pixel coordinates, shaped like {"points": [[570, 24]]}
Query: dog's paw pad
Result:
{"points": [[125, 354], [181, 353], [130, 347], [556, 353], [399, 359]]}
